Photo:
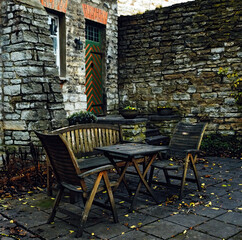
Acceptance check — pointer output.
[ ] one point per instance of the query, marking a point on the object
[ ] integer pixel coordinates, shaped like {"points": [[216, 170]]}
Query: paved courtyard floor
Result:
{"points": [[214, 213]]}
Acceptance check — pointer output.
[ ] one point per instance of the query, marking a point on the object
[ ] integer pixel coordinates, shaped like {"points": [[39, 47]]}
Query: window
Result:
{"points": [[92, 33], [53, 22]]}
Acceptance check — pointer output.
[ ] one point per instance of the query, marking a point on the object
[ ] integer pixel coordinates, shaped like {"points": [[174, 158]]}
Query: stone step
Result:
{"points": [[152, 132]]}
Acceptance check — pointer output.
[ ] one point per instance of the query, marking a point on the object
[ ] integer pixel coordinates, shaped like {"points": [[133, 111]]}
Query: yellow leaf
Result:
{"points": [[230, 211], [160, 205], [224, 185], [93, 234], [185, 231], [209, 204], [71, 231], [133, 226], [123, 233], [121, 202], [214, 208], [11, 221], [126, 215], [24, 203], [104, 191]]}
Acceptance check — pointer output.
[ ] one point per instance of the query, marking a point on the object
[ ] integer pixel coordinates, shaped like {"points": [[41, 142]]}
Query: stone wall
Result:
{"points": [[30, 91], [172, 56], [74, 88]]}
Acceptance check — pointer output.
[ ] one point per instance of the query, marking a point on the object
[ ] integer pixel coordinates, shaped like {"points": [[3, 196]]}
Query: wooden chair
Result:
{"points": [[184, 145], [69, 176]]}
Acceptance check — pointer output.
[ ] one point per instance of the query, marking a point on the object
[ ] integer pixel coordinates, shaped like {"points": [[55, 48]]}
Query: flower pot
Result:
{"points": [[164, 111], [128, 114]]}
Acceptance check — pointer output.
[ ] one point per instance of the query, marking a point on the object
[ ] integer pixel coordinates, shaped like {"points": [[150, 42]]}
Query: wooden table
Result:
{"points": [[132, 153]]}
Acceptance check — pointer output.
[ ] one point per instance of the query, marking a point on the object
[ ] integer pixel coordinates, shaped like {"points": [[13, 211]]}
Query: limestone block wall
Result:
{"points": [[172, 56], [74, 89], [31, 96]]}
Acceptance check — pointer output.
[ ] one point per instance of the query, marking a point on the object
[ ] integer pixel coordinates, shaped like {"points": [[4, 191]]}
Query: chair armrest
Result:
{"points": [[95, 170], [192, 151]]}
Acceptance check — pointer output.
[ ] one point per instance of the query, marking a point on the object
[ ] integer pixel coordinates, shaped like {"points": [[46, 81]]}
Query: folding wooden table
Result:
{"points": [[132, 153]]}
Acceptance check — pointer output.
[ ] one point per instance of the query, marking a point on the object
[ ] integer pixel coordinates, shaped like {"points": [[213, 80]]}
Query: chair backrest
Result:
{"points": [[61, 158], [186, 136], [83, 138]]}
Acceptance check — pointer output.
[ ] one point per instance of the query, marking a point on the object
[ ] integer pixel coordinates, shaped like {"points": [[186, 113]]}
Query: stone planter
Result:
{"points": [[128, 114], [164, 111]]}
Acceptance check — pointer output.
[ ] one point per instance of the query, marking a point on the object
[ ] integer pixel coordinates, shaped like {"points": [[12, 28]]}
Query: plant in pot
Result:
{"points": [[129, 112], [164, 110], [82, 117]]}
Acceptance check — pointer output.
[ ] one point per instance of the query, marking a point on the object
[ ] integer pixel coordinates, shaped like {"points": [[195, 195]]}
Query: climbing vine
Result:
{"points": [[236, 83]]}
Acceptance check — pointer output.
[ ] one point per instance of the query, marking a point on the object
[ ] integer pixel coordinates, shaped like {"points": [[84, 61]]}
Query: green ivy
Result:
{"points": [[82, 117], [236, 84], [222, 145]]}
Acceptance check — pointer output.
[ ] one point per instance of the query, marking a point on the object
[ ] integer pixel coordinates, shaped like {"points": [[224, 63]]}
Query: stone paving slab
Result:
{"points": [[214, 213], [163, 229], [194, 235], [192, 220], [218, 229]]}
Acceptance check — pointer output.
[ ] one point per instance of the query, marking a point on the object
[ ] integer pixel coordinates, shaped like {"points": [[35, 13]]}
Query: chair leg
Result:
{"points": [[72, 197], [184, 176], [110, 195], [56, 204], [88, 205], [49, 187], [166, 176], [193, 161]]}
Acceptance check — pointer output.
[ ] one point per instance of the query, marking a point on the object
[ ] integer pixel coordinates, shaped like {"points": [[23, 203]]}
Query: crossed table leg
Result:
{"points": [[140, 174]]}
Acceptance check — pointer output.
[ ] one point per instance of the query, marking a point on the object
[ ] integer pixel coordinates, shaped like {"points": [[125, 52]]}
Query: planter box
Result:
{"points": [[129, 114]]}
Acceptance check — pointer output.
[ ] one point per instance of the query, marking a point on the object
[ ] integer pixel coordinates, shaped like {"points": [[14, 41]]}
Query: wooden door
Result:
{"points": [[93, 57]]}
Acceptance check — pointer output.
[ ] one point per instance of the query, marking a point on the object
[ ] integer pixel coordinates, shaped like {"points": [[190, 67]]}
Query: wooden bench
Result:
{"points": [[82, 139]]}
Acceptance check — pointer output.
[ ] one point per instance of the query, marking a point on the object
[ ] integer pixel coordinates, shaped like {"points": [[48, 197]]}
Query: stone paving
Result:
{"points": [[214, 213]]}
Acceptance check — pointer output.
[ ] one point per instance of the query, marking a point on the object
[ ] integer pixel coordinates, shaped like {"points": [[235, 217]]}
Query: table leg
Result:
{"points": [[142, 180], [121, 174]]}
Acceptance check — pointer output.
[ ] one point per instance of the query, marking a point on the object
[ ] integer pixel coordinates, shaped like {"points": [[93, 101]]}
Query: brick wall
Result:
{"points": [[172, 56]]}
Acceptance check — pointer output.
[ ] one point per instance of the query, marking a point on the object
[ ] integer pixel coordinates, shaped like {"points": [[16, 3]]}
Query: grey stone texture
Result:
{"points": [[172, 56], [26, 78]]}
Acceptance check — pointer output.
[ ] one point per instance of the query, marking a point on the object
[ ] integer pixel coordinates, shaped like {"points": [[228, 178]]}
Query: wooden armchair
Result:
{"points": [[184, 145], [69, 176]]}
